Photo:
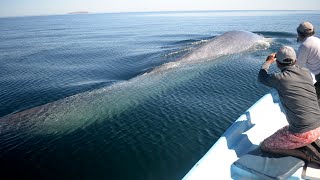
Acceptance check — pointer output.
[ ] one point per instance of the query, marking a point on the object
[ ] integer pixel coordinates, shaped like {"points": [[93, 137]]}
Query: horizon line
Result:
{"points": [[159, 11]]}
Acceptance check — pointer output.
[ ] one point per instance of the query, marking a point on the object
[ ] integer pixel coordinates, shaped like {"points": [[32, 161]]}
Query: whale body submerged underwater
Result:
{"points": [[80, 110]]}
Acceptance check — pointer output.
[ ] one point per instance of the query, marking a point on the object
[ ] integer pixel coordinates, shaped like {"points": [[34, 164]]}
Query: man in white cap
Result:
{"points": [[298, 97], [309, 51]]}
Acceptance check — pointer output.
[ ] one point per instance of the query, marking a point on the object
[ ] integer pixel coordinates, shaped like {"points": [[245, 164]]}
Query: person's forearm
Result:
{"points": [[263, 74], [266, 65]]}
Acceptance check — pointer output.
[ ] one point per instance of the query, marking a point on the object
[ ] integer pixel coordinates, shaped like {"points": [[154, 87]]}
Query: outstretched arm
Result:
{"points": [[264, 77]]}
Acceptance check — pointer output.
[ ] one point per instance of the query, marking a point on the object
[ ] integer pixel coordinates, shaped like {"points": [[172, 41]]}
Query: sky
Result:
{"points": [[47, 7]]}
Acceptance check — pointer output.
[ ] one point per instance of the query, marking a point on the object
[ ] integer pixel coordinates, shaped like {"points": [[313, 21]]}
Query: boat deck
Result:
{"points": [[245, 134]]}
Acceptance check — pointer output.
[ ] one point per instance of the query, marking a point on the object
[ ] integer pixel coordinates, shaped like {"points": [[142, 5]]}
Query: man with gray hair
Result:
{"points": [[309, 51]]}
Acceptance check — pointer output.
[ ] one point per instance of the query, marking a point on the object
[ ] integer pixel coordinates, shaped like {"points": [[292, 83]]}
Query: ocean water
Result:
{"points": [[104, 96]]}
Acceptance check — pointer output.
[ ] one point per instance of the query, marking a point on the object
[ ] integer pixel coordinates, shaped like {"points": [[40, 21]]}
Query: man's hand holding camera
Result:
{"points": [[271, 58]]}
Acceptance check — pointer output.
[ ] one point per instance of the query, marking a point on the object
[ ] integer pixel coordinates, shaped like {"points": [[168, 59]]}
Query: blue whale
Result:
{"points": [[231, 42], [80, 110]]}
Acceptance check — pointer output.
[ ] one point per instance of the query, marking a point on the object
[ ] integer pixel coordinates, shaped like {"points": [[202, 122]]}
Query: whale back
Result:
{"points": [[80, 110], [228, 43]]}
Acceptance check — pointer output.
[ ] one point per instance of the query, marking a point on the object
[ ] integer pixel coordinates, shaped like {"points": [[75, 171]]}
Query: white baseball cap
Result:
{"points": [[305, 27], [286, 55]]}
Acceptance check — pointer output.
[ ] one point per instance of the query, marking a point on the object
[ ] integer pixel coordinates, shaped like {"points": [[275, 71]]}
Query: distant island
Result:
{"points": [[79, 12]]}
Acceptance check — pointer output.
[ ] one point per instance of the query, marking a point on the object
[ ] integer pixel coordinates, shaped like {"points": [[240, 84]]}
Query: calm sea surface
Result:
{"points": [[77, 101]]}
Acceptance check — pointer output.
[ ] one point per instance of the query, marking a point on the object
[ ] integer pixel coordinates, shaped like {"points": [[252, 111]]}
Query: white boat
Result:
{"points": [[245, 134]]}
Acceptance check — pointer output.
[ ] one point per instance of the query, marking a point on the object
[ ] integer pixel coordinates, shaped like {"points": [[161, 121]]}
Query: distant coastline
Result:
{"points": [[79, 12], [162, 12]]}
